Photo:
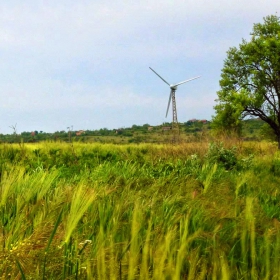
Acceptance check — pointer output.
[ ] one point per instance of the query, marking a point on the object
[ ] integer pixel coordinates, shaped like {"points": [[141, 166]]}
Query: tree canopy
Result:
{"points": [[250, 80]]}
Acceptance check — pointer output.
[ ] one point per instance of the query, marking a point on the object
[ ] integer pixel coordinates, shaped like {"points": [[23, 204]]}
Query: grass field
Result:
{"points": [[147, 211]]}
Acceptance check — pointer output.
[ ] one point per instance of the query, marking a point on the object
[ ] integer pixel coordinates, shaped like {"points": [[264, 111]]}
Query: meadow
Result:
{"points": [[147, 211]]}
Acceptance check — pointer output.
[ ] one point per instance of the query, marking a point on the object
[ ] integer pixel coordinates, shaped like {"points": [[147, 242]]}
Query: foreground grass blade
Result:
{"points": [[50, 241], [20, 269]]}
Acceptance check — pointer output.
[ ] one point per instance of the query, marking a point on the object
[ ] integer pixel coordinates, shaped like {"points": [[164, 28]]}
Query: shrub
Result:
{"points": [[218, 154]]}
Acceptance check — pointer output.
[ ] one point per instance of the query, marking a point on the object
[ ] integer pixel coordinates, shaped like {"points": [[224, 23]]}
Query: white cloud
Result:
{"points": [[56, 95], [84, 26]]}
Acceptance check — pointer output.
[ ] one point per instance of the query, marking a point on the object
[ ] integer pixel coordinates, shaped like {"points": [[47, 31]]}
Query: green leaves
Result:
{"points": [[250, 79]]}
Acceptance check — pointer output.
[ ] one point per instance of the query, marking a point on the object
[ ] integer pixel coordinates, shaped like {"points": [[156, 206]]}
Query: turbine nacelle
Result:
{"points": [[173, 87]]}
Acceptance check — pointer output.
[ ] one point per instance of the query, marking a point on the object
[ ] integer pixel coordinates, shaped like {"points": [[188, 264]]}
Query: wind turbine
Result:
{"points": [[173, 88]]}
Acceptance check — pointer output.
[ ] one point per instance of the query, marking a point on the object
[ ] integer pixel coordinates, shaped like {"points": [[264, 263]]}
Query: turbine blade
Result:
{"points": [[168, 103], [187, 81], [159, 76]]}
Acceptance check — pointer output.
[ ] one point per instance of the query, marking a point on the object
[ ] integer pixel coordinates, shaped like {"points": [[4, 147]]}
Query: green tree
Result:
{"points": [[250, 80]]}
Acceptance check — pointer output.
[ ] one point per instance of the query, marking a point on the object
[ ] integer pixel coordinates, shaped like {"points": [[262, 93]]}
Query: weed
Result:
{"points": [[226, 157]]}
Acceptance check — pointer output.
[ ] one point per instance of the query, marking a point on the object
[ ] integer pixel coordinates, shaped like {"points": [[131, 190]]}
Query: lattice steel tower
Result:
{"points": [[173, 88]]}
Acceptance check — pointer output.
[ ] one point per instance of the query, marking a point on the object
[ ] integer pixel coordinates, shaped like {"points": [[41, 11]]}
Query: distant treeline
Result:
{"points": [[252, 130]]}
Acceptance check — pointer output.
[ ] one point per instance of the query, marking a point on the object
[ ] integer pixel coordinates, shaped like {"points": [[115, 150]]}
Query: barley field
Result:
{"points": [[147, 211]]}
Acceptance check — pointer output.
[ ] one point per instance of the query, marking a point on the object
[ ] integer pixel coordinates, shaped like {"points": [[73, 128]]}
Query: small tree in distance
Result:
{"points": [[250, 80]]}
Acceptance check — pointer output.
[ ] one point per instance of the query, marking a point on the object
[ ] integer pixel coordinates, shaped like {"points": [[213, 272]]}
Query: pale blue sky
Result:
{"points": [[86, 63]]}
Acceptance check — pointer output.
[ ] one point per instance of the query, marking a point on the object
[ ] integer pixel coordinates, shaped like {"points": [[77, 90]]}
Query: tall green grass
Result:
{"points": [[96, 211]]}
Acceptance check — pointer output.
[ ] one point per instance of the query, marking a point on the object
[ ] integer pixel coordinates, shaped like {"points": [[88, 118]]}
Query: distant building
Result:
{"points": [[196, 120], [165, 128], [119, 131], [150, 128], [192, 120], [80, 132]]}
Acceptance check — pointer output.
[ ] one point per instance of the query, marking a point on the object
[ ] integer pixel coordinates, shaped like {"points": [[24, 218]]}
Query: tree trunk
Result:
{"points": [[278, 139], [277, 134]]}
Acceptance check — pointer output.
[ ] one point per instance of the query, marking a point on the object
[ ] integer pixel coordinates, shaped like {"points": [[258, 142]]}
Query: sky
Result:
{"points": [[85, 64]]}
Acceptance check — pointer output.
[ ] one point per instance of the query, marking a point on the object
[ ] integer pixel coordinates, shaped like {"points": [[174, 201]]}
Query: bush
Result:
{"points": [[225, 157]]}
